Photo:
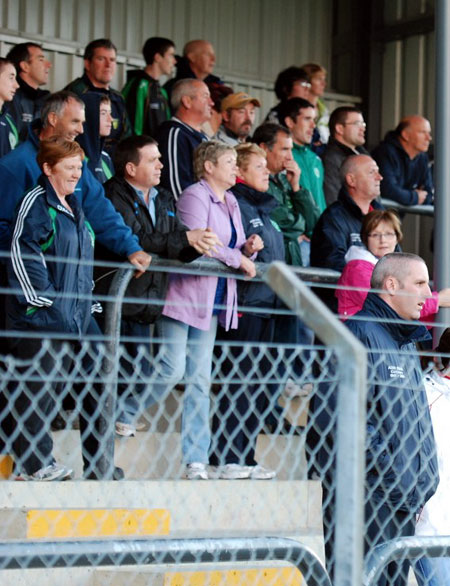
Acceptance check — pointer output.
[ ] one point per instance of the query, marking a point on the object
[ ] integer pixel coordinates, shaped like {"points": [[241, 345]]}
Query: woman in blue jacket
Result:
{"points": [[242, 408], [51, 302]]}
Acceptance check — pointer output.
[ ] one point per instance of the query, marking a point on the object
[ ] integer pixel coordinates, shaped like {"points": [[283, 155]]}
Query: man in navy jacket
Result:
{"points": [[401, 466], [403, 161], [178, 137]]}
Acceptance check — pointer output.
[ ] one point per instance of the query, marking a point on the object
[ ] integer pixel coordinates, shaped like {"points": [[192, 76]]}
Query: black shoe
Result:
{"points": [[118, 474]]}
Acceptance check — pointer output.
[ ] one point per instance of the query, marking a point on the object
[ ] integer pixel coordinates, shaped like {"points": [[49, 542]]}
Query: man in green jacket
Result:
{"points": [[297, 212], [299, 116]]}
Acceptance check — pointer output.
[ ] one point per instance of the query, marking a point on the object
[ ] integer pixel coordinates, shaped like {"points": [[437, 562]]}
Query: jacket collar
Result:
{"points": [[402, 331], [259, 199], [345, 199]]}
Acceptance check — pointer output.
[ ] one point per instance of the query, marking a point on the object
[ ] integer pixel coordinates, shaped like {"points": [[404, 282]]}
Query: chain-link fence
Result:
{"points": [[268, 423]]}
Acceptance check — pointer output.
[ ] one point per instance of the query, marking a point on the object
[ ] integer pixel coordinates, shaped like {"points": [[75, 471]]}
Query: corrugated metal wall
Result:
{"points": [[254, 39], [408, 67], [408, 87]]}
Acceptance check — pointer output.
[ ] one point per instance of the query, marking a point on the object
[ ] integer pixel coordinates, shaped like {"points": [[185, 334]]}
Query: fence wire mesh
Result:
{"points": [[248, 406]]}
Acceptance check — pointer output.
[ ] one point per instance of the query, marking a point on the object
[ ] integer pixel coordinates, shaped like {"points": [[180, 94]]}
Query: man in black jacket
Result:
{"points": [[32, 71], [148, 103], [339, 226], [347, 136], [150, 213]]}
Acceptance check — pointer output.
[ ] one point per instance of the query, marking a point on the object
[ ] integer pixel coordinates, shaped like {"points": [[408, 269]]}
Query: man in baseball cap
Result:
{"points": [[238, 117]]}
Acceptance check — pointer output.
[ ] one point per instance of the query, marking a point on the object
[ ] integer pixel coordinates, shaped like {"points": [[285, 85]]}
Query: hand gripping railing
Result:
{"points": [[351, 409]]}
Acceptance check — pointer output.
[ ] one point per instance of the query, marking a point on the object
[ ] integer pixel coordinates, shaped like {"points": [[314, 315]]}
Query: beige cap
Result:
{"points": [[238, 100]]}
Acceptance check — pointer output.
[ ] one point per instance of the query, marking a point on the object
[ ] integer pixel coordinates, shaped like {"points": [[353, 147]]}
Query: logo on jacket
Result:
{"points": [[256, 222], [396, 371]]}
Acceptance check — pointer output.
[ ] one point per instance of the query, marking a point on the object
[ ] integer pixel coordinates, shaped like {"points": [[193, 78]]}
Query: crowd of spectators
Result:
{"points": [[180, 171]]}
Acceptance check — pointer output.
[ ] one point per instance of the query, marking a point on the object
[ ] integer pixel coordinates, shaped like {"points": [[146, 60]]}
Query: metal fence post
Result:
{"points": [[351, 417], [113, 314]]}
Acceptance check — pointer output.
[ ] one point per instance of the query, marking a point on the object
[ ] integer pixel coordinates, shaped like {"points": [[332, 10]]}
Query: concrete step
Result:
{"points": [[195, 508], [155, 452]]}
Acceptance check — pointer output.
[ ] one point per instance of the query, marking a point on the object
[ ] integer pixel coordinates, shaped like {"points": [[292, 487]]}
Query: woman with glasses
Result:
{"points": [[292, 82], [380, 233]]}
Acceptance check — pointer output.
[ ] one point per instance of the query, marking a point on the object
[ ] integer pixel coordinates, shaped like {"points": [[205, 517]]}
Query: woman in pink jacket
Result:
{"points": [[194, 304], [381, 231]]}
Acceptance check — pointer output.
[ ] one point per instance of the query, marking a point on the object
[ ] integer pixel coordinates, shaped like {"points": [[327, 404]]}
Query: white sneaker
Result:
{"points": [[196, 471], [53, 471], [234, 472], [258, 472], [125, 429], [292, 390]]}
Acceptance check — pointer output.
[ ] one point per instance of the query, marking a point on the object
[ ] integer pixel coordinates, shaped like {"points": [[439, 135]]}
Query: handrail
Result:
{"points": [[418, 210], [398, 549], [351, 407], [95, 553]]}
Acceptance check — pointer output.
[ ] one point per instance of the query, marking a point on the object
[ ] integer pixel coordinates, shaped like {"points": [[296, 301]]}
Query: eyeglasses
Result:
{"points": [[380, 235], [356, 123], [304, 84]]}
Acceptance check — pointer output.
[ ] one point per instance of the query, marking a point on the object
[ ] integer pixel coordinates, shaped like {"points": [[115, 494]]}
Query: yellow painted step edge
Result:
{"points": [[6, 466], [252, 577], [64, 523]]}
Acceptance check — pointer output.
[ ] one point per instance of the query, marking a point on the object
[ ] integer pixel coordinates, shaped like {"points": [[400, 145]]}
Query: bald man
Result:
{"points": [[403, 161], [339, 226], [197, 62]]}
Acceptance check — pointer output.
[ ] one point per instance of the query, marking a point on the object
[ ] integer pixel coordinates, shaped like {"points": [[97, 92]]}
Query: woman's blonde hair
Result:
{"points": [[245, 151]]}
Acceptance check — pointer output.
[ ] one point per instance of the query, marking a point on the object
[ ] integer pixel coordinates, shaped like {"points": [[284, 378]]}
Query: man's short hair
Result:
{"points": [[183, 87], [401, 126], [349, 165], [394, 264], [339, 116], [89, 51], [56, 103], [3, 62], [155, 45], [267, 134], [127, 151], [291, 108], [210, 150], [286, 79], [20, 52]]}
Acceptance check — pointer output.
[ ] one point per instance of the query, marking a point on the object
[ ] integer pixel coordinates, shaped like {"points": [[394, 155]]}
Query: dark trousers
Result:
{"points": [[242, 407], [33, 405], [382, 523]]}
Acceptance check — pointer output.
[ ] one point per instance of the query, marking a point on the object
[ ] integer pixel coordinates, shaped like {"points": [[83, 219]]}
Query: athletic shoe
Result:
{"points": [[292, 390], [196, 471], [125, 429], [53, 471], [258, 472], [234, 471]]}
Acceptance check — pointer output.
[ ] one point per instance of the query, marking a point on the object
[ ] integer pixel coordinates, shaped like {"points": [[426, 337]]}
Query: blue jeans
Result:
{"points": [[187, 351], [432, 571]]}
